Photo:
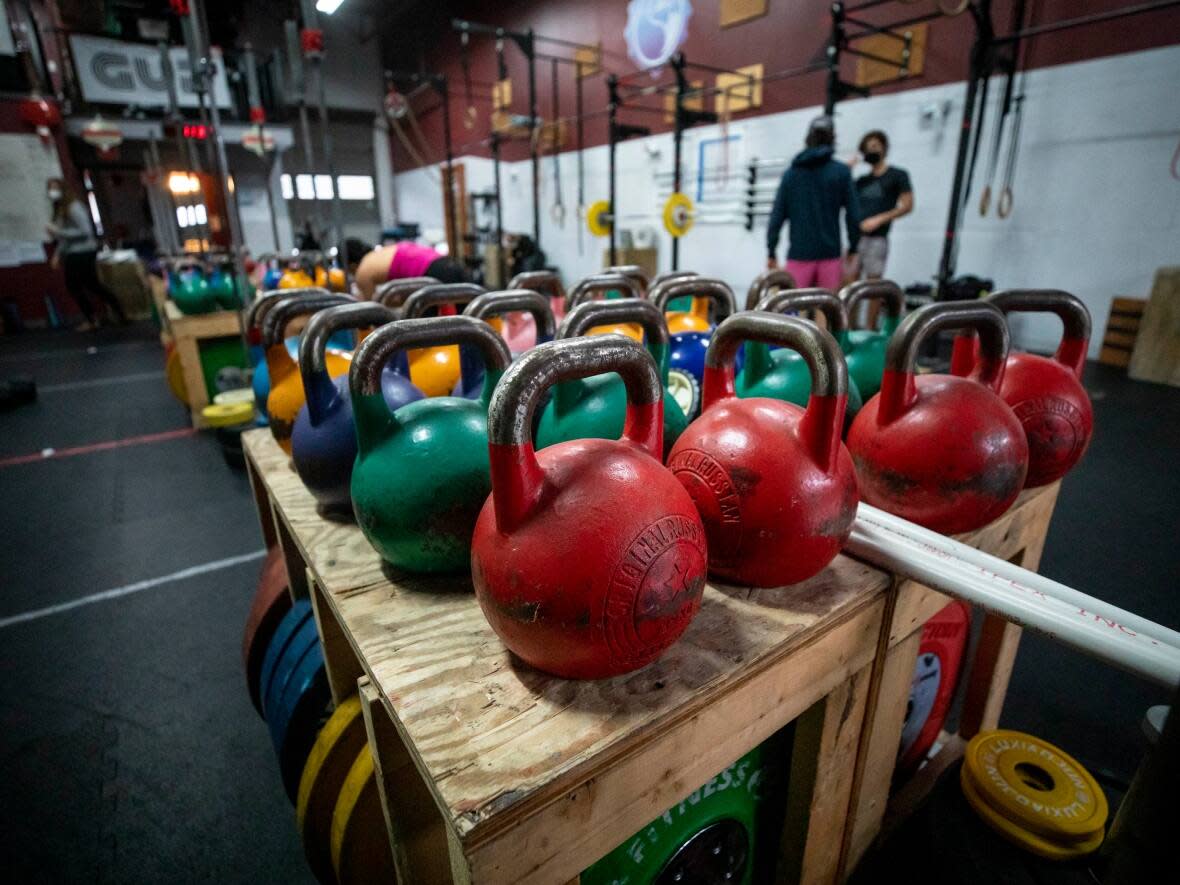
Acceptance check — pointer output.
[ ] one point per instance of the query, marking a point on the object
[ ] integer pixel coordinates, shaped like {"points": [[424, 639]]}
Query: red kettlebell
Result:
{"points": [[589, 557], [1046, 394], [940, 450], [774, 485]]}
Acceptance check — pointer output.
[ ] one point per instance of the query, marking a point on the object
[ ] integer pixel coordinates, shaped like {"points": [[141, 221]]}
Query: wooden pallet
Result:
{"points": [[493, 772], [187, 333], [1122, 328]]}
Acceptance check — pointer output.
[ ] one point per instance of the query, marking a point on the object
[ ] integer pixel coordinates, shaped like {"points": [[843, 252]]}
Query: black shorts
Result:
{"points": [[447, 270]]}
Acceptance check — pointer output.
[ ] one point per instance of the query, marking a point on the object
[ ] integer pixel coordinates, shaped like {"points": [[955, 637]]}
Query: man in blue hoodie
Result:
{"points": [[813, 190]]}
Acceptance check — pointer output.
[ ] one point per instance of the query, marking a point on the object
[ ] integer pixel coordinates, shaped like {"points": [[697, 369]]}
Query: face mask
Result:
{"points": [[55, 195], [872, 157]]}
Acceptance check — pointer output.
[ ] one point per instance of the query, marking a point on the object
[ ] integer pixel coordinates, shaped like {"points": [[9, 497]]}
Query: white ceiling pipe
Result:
{"points": [[1139, 654], [1026, 578]]}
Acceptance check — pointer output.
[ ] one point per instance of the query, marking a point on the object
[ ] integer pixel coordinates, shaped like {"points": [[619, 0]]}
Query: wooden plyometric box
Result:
{"points": [[1122, 330], [202, 340], [739, 91], [646, 259], [1156, 356]]}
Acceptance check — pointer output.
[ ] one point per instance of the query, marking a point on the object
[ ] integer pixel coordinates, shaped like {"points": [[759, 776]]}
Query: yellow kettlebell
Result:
{"points": [[435, 370], [286, 395], [295, 279], [603, 283]]}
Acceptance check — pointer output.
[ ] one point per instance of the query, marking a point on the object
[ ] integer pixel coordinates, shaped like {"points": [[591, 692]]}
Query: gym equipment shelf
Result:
{"points": [[190, 333], [493, 772]]}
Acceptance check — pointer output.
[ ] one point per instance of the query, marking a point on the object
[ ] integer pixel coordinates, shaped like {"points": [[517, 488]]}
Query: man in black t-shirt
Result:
{"points": [[885, 195]]}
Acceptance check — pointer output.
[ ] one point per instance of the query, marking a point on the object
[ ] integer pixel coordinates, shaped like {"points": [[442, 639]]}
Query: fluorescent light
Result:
{"points": [[288, 188], [327, 7], [303, 187], [323, 187], [181, 216], [356, 187], [202, 215]]}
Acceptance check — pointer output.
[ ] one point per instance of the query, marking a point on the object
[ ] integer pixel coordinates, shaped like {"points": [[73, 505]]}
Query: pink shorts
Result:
{"points": [[826, 274]]}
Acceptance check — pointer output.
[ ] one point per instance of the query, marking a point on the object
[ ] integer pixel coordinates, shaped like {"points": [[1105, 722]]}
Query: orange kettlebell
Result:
{"points": [[611, 280], [435, 370]]}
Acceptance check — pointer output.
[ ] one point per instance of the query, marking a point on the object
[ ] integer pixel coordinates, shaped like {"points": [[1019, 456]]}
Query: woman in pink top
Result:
{"points": [[403, 260]]}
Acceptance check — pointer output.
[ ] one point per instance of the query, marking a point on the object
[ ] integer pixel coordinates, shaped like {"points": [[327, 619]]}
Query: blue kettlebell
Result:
{"points": [[323, 442], [493, 304], [782, 374], [687, 350]]}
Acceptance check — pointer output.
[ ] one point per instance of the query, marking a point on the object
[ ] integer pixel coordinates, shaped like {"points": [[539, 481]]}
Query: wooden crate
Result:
{"points": [[1019, 537], [1122, 328], [497, 773], [188, 332], [1156, 356], [493, 772]]}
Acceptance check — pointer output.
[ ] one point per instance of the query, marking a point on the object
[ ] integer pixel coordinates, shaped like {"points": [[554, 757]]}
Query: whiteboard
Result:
{"points": [[25, 165]]}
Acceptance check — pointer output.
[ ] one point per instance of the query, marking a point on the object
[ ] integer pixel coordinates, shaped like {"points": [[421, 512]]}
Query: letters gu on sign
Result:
{"points": [[114, 72]]}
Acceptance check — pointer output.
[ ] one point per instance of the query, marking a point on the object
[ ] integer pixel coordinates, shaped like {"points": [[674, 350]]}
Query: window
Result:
{"points": [[352, 187]]}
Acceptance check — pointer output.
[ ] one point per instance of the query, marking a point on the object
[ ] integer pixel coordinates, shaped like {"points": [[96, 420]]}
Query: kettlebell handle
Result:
{"points": [[438, 295], [544, 281], [277, 320], [697, 287], [632, 272], [601, 282], [256, 315], [518, 483], [394, 292], [808, 299], [313, 348], [765, 282], [364, 376], [898, 390], [494, 304], [823, 419], [1075, 319], [672, 275], [885, 291], [585, 316]]}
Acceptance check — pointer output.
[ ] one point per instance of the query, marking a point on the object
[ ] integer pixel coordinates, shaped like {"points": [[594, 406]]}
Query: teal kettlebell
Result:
{"points": [[782, 374], [421, 474], [595, 407], [864, 350], [192, 294]]}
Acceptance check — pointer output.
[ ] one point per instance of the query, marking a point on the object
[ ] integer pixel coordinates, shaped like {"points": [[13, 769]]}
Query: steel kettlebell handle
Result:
{"points": [[885, 291], [438, 295], [602, 282], [318, 388], [634, 273], [672, 275], [288, 309], [544, 281], [764, 283], [823, 419], [517, 478], [394, 292], [697, 287], [898, 390], [1075, 319], [493, 304], [585, 316], [808, 299], [364, 376], [256, 315]]}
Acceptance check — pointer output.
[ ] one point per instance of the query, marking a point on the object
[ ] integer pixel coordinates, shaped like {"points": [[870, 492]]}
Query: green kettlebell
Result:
{"points": [[864, 350], [594, 408], [782, 374], [192, 294], [421, 473]]}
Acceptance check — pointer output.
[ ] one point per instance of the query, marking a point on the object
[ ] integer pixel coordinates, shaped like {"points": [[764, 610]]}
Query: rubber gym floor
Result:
{"points": [[129, 751]]}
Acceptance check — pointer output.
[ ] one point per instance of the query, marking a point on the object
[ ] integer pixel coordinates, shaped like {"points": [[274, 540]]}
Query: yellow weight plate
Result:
{"points": [[360, 842], [1035, 785], [238, 395], [227, 414], [1021, 837], [598, 218], [678, 214], [340, 740]]}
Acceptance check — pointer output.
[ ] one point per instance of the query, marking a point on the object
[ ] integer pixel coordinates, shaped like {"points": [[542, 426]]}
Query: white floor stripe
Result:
{"points": [[104, 595], [99, 382]]}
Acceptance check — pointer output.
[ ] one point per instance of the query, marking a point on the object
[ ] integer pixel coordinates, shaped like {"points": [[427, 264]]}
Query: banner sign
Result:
{"points": [[115, 72]]}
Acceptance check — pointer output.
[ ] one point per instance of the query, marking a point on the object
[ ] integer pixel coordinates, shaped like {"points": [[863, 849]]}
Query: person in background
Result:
{"points": [[813, 191], [77, 253], [405, 259], [885, 195]]}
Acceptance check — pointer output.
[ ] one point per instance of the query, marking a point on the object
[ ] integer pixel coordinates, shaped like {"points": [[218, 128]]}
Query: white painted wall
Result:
{"points": [[1096, 211]]}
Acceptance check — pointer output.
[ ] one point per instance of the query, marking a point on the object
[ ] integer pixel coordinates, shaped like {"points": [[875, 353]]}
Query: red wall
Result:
{"points": [[28, 284], [793, 33]]}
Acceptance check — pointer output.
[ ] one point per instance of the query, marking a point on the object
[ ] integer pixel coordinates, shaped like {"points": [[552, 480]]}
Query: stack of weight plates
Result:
{"points": [[1033, 794], [271, 602]]}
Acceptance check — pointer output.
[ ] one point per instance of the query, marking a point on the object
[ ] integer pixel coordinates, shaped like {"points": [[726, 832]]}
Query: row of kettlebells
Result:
{"points": [[298, 270], [203, 287], [756, 490]]}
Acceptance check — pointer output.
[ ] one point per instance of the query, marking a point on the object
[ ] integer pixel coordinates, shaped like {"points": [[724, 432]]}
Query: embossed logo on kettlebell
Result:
{"points": [[712, 490], [1053, 426], [655, 590]]}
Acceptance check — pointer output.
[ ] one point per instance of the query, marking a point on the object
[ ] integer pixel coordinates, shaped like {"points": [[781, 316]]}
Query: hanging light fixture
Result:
{"points": [[42, 115], [258, 141], [103, 135]]}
